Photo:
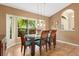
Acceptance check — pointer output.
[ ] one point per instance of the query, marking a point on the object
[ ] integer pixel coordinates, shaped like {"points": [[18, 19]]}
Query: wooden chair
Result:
{"points": [[25, 43], [22, 43], [52, 38], [42, 41], [1, 48]]}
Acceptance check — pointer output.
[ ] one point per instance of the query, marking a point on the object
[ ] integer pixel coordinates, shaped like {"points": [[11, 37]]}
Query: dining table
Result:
{"points": [[33, 38]]}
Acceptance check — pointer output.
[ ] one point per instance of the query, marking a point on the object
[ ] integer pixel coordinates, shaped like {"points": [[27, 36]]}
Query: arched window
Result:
{"points": [[67, 20]]}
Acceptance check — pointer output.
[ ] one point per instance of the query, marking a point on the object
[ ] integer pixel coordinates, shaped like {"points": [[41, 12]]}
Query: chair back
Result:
{"points": [[23, 40], [44, 35], [53, 34], [21, 34]]}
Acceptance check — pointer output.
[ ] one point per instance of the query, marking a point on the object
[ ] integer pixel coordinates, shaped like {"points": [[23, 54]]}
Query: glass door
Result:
{"points": [[10, 30]]}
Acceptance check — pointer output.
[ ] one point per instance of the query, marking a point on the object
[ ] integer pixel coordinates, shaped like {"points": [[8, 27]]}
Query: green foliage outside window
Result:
{"points": [[25, 25], [22, 26], [31, 24], [22, 23]]}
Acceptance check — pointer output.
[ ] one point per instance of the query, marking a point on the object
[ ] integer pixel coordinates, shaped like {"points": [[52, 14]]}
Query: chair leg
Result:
{"points": [[50, 45], [21, 47], [24, 50], [46, 46], [40, 50], [54, 42]]}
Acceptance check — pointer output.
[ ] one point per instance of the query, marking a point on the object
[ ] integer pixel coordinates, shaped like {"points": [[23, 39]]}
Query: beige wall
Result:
{"points": [[2, 24], [8, 10], [69, 36]]}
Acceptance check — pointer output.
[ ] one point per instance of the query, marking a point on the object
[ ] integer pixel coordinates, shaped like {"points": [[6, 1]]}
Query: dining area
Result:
{"points": [[28, 34], [43, 41]]}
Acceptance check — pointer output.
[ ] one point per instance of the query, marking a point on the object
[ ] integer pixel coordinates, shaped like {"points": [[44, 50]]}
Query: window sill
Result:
{"points": [[68, 30]]}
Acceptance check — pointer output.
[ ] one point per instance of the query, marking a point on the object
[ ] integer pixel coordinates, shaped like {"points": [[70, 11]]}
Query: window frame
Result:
{"points": [[69, 22]]}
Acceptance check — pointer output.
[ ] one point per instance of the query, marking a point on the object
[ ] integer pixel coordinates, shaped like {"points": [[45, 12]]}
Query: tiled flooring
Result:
{"points": [[61, 49]]}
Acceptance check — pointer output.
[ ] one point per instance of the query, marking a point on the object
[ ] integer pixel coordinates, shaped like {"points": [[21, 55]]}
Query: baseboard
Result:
{"points": [[68, 43], [57, 40], [13, 44]]}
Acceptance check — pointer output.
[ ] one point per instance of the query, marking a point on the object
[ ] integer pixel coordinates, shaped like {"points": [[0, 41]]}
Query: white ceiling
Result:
{"points": [[46, 9]]}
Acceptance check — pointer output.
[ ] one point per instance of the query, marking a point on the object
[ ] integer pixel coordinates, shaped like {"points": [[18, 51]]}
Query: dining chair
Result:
{"points": [[42, 41], [24, 42], [52, 38]]}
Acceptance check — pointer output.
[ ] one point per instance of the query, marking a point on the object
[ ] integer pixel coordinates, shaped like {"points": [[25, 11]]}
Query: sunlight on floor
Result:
{"points": [[60, 50]]}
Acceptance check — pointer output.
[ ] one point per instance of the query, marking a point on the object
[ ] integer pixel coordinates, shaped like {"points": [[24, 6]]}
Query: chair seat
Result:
{"points": [[37, 39], [37, 42], [28, 43]]}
